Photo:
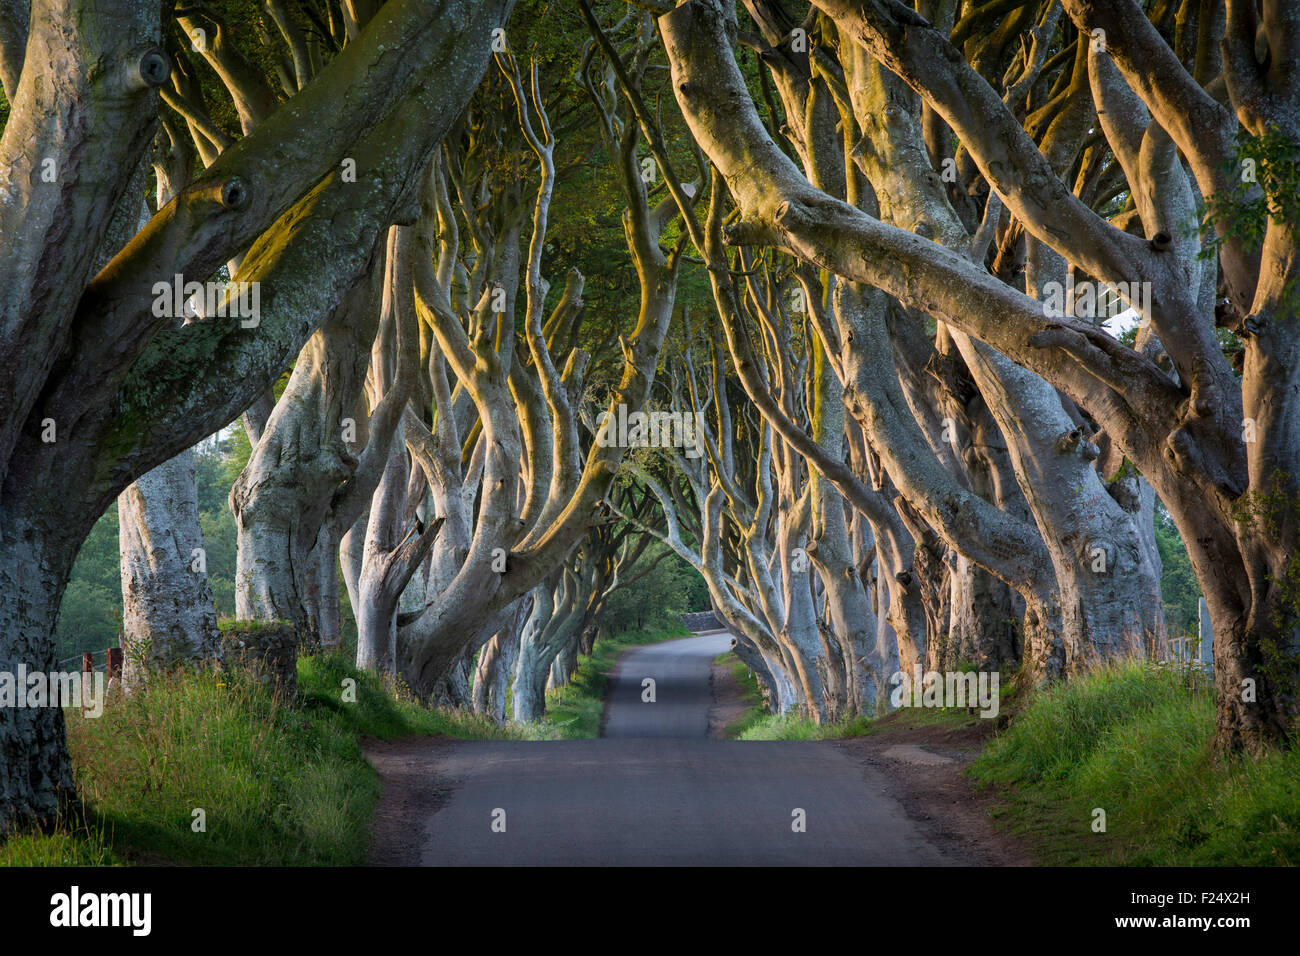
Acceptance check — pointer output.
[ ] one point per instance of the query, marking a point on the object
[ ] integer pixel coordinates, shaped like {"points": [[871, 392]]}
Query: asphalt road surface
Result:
{"points": [[680, 670], [653, 791]]}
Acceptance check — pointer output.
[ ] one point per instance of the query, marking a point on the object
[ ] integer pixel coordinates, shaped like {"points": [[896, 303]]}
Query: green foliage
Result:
{"points": [[213, 477], [1265, 177], [586, 215], [219, 540], [658, 599], [1179, 591], [1135, 741], [1232, 347], [249, 22], [90, 616], [91, 613], [88, 619], [235, 458]]}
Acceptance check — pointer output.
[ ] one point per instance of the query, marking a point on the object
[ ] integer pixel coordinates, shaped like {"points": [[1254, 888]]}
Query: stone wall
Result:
{"points": [[702, 621], [269, 651]]}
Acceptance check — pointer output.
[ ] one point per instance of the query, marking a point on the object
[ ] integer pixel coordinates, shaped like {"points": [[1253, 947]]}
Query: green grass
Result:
{"points": [[278, 785], [753, 696], [574, 711], [250, 625], [385, 709], [1134, 741], [796, 727], [56, 849], [289, 786], [757, 723]]}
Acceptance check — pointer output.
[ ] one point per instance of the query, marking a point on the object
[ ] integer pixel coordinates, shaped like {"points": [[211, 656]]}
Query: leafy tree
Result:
{"points": [[660, 597], [1178, 585], [91, 611]]}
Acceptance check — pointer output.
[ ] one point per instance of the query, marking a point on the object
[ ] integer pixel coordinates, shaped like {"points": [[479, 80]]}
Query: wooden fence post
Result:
{"points": [[114, 667], [87, 669]]}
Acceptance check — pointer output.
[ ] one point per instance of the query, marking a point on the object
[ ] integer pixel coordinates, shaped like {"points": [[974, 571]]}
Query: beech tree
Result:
{"points": [[947, 614], [1219, 453], [100, 389], [868, 250]]}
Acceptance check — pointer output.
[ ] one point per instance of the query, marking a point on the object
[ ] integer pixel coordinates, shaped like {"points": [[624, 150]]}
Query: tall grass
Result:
{"points": [[276, 785], [387, 708], [791, 726], [1135, 741], [757, 723]]}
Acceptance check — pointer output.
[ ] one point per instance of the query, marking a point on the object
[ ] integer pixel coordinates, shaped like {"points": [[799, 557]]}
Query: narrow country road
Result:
{"points": [[653, 791], [680, 670]]}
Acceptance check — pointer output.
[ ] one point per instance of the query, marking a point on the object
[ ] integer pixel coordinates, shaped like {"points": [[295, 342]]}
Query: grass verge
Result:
{"points": [[795, 727], [275, 785], [1134, 741], [757, 723], [574, 711], [756, 710]]}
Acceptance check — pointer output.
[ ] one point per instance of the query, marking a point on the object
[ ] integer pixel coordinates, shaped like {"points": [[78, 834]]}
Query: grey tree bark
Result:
{"points": [[91, 352], [168, 619]]}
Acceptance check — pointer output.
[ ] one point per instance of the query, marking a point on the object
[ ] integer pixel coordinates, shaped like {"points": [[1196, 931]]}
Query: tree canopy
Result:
{"points": [[936, 336]]}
